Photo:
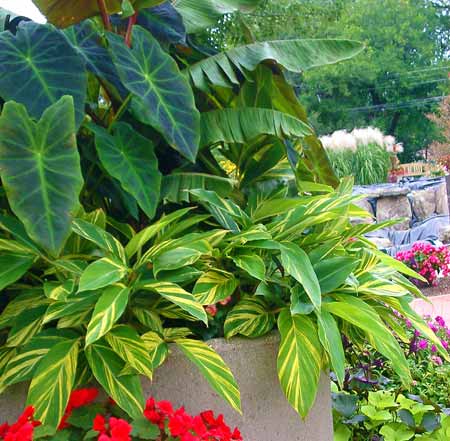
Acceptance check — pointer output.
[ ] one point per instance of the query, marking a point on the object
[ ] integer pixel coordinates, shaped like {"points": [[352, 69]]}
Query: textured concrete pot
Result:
{"points": [[267, 415]]}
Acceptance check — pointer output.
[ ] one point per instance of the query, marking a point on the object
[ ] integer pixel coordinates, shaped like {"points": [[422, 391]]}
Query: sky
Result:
{"points": [[23, 7]]}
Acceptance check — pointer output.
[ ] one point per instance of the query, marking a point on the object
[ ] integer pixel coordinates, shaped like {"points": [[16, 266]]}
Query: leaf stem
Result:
{"points": [[120, 111], [104, 14], [129, 34]]}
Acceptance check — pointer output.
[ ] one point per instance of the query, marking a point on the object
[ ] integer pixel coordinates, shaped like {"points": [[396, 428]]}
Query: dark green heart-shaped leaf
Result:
{"points": [[163, 98], [130, 158], [40, 170], [85, 37], [164, 22], [38, 66]]}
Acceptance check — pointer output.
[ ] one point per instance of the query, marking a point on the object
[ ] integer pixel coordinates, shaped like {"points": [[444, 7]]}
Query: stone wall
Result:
{"points": [[415, 202]]}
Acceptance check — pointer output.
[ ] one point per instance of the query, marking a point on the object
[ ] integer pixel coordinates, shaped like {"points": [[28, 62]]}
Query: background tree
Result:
{"points": [[401, 76]]}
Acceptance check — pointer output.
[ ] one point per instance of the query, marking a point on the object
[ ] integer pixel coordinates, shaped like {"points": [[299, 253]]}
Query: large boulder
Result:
{"points": [[441, 199], [365, 205], [424, 203], [394, 207]]}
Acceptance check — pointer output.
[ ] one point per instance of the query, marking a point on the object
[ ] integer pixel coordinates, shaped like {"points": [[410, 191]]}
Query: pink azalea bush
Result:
{"points": [[428, 260]]}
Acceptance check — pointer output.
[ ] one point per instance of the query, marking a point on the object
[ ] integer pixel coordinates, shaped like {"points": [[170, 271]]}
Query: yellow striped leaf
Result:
{"points": [[26, 326], [126, 342], [299, 360], [106, 366], [157, 347], [178, 296], [214, 286], [110, 306], [57, 290], [360, 314], [296, 263], [53, 382], [101, 273], [171, 334], [100, 237], [250, 317], [252, 264], [150, 319], [22, 365], [26, 300], [213, 368]]}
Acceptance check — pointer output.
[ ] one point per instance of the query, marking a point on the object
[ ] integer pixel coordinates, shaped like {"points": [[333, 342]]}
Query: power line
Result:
{"points": [[396, 106]]}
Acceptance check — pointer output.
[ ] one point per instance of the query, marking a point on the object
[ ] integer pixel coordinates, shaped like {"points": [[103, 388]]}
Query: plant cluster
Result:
{"points": [[373, 405], [86, 419], [428, 260], [157, 193]]}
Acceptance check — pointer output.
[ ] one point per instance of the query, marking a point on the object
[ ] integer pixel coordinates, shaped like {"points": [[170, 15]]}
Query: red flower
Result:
{"points": [[78, 398], [116, 430], [22, 429]]}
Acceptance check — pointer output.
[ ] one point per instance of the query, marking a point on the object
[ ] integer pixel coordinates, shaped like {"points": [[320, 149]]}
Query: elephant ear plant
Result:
{"points": [[145, 178]]}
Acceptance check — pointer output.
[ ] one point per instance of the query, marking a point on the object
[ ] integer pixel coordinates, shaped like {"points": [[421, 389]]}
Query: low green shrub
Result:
{"points": [[372, 405]]}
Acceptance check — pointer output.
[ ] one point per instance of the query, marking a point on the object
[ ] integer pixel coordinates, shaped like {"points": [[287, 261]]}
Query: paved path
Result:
{"points": [[440, 306]]}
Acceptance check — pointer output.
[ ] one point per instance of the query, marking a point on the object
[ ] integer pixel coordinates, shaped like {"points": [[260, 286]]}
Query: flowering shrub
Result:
{"points": [[85, 419], [372, 405], [428, 260]]}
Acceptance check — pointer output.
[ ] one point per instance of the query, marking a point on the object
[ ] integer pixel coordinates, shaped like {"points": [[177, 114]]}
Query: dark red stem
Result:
{"points": [[105, 15], [131, 23]]}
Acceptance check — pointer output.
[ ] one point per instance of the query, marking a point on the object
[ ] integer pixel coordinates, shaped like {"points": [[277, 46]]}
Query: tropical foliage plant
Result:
{"points": [[145, 179]]}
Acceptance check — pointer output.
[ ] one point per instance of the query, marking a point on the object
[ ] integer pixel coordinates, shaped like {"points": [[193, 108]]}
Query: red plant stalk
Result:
{"points": [[104, 14], [131, 23]]}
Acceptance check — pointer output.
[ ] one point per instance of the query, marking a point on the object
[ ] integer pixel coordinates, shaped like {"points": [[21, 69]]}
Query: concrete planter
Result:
{"points": [[267, 414]]}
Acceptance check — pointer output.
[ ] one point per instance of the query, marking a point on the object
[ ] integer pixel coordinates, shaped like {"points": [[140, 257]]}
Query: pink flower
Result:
{"points": [[211, 310], [423, 344], [436, 360]]}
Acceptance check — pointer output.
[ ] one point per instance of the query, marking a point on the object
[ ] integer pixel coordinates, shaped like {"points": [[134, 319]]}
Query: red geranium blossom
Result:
{"points": [[115, 430], [78, 398], [22, 429]]}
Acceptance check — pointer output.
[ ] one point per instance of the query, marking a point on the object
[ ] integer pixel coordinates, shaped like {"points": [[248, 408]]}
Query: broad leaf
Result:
{"points": [[360, 314], [213, 368], [44, 156], [333, 272], [110, 306], [296, 263], [299, 360], [246, 124], [130, 158], [176, 187], [177, 295], [26, 325], [162, 95], [64, 13], [59, 291], [106, 365], [294, 55], [52, 383], [100, 237], [126, 342], [101, 273], [141, 238], [164, 22], [330, 337], [44, 64], [72, 305], [86, 39], [252, 264], [214, 286], [179, 257], [22, 366], [13, 267], [157, 348], [251, 317], [199, 15]]}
